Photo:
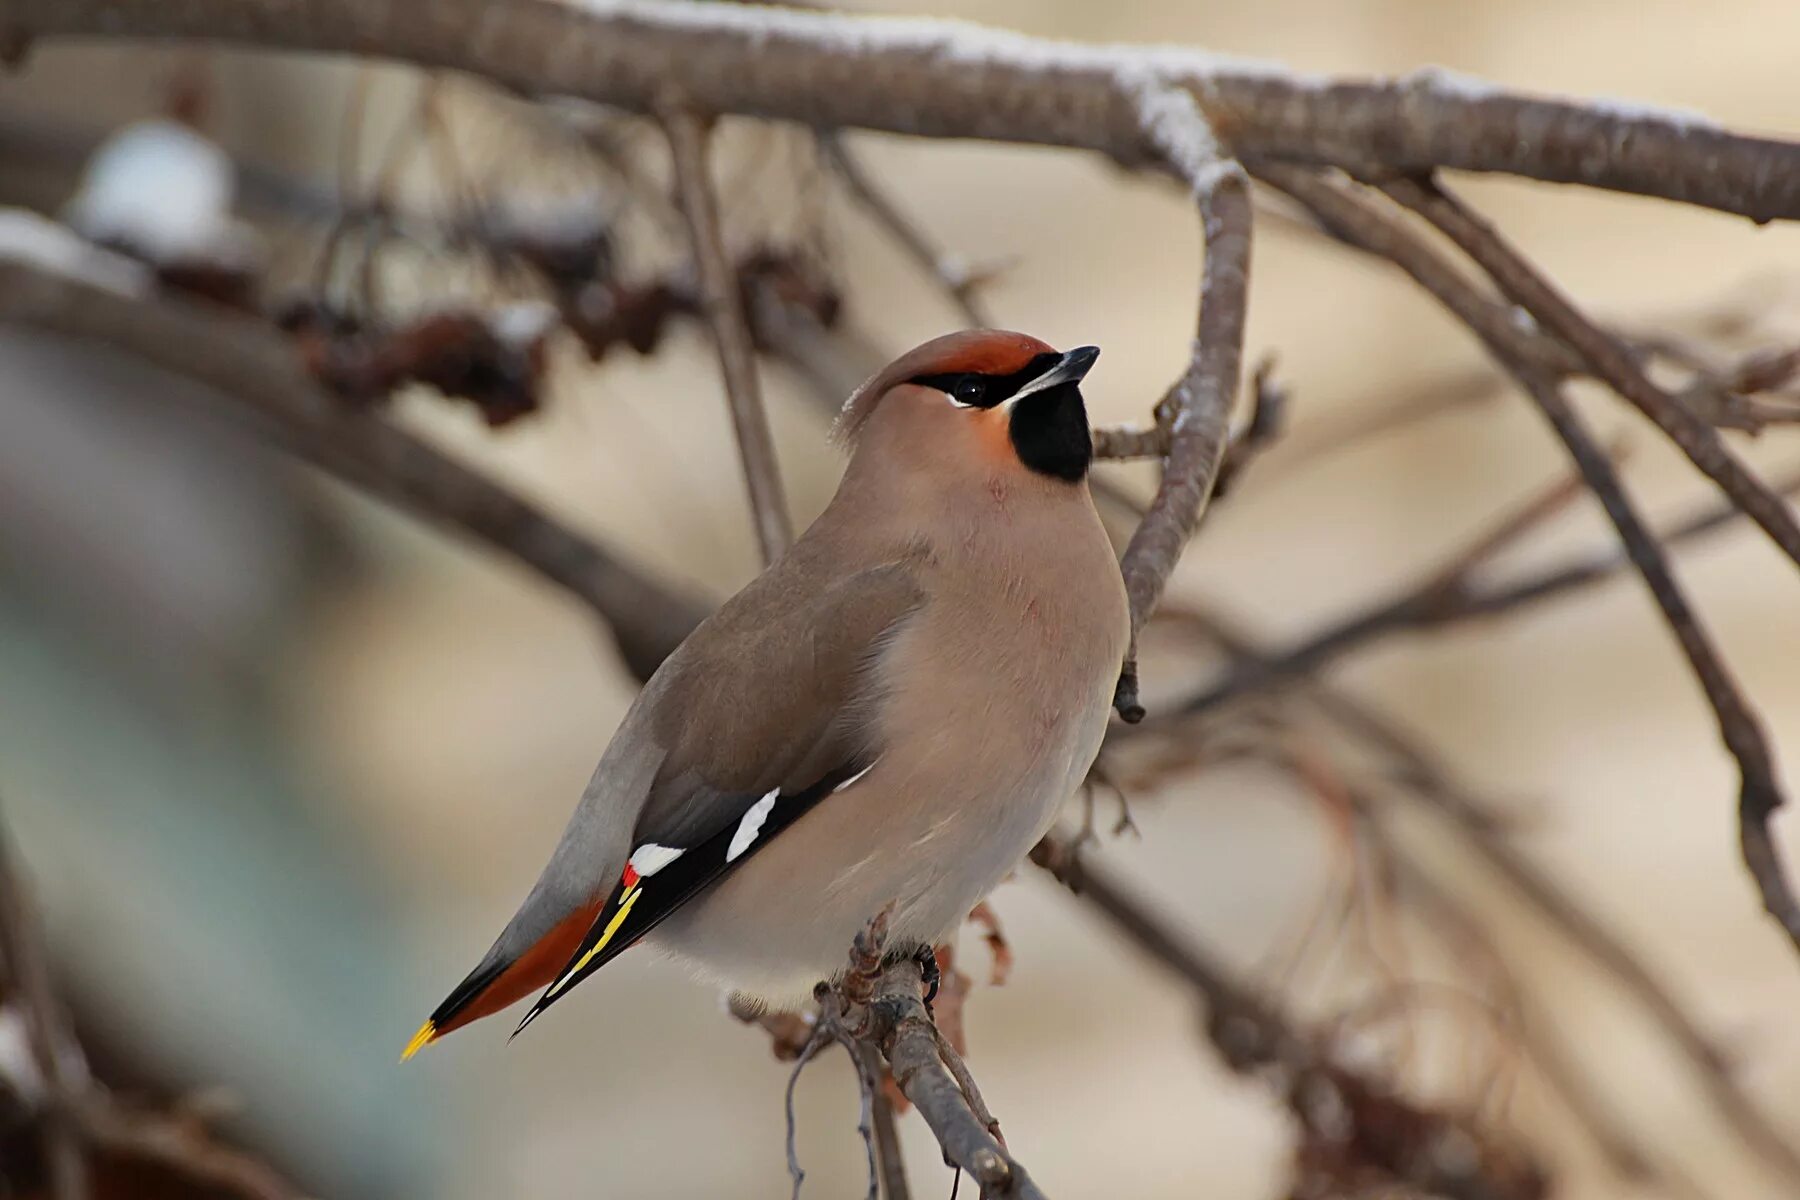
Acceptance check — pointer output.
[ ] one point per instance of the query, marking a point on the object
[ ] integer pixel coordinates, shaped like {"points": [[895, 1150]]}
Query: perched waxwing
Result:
{"points": [[892, 712]]}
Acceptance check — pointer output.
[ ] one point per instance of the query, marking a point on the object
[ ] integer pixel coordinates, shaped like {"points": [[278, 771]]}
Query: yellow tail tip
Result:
{"points": [[427, 1034]]}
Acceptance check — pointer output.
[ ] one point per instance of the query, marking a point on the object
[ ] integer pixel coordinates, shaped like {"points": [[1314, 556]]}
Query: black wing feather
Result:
{"points": [[629, 914]]}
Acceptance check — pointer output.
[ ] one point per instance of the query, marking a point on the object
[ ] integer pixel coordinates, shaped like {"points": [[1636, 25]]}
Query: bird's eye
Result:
{"points": [[969, 390]]}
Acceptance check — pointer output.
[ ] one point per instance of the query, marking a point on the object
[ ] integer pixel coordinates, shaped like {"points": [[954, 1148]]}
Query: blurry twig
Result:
{"points": [[180, 1145], [689, 137], [958, 281], [1459, 927], [1357, 1132], [258, 374], [1445, 594], [52, 1046], [1369, 230], [78, 1115]]}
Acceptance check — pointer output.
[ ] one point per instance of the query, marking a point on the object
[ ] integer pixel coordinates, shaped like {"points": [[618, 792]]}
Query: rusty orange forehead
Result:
{"points": [[983, 351]]}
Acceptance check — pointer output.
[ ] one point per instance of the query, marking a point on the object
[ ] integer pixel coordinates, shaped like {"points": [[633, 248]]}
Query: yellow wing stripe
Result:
{"points": [[630, 898]]}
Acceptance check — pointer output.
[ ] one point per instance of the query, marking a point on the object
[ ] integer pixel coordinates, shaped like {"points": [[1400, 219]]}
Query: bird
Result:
{"points": [[888, 717]]}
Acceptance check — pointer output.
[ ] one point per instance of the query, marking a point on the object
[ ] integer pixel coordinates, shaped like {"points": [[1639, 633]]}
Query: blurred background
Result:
{"points": [[279, 761]]}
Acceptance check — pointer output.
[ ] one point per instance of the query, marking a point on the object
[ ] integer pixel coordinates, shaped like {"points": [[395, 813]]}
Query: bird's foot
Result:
{"points": [[926, 958]]}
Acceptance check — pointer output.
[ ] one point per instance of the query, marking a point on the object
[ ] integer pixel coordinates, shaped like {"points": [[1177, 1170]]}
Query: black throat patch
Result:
{"points": [[1050, 432]]}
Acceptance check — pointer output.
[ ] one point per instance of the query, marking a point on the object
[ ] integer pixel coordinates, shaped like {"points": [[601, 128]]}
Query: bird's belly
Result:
{"points": [[931, 832]]}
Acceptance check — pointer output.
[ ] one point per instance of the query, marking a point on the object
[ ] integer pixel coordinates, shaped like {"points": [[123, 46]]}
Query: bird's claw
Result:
{"points": [[926, 957]]}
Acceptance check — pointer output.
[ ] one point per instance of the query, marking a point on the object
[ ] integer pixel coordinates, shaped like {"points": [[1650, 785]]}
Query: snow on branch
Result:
{"points": [[949, 79]]}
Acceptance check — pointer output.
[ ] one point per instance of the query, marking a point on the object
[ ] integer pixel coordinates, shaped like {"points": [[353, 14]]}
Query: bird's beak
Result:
{"points": [[1070, 368]]}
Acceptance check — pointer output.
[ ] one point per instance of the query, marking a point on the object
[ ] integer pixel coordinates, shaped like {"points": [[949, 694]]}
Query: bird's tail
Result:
{"points": [[502, 979]]}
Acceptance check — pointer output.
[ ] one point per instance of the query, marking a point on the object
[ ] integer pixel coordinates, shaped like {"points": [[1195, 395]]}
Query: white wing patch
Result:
{"points": [[751, 825], [650, 858]]}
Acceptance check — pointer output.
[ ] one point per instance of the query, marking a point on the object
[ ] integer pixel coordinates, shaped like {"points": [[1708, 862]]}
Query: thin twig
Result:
{"points": [[881, 1004], [181, 1146], [814, 1044], [960, 284], [1267, 423], [1606, 356], [868, 1087], [1478, 822], [689, 137], [1444, 595], [887, 1133], [1435, 1152], [1197, 411], [1460, 929]]}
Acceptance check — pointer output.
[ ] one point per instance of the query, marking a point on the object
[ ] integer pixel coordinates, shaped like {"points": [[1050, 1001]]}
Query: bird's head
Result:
{"points": [[1003, 397]]}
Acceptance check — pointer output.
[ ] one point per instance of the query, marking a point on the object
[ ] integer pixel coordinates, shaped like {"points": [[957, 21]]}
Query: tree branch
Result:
{"points": [[1760, 792], [78, 1114], [949, 79], [1605, 356], [1197, 411], [258, 373], [1740, 727], [688, 140], [880, 1004], [1478, 823], [1445, 598]]}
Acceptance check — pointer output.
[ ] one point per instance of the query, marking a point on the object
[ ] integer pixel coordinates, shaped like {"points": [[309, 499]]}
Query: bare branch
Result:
{"points": [[1445, 598], [887, 1134], [880, 1003], [77, 1113], [1268, 421], [1740, 727], [1197, 411], [828, 70], [1607, 357], [954, 276], [1461, 931], [1354, 1116], [688, 140], [1477, 821], [181, 1146]]}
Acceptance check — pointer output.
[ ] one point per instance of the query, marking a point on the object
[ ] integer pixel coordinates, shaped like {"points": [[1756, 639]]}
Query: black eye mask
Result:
{"points": [[972, 389]]}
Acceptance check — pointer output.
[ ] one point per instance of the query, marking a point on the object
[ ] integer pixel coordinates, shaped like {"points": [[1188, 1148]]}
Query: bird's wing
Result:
{"points": [[765, 716]]}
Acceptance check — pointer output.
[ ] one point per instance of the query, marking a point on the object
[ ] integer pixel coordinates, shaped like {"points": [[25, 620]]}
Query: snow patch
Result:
{"points": [[947, 39], [965, 42], [1172, 119], [524, 324], [1442, 81], [37, 241], [164, 192]]}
